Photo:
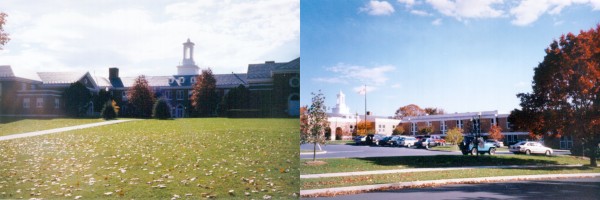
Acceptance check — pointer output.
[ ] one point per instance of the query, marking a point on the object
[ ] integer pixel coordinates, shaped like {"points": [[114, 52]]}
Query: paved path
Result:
{"points": [[58, 130], [569, 188], [393, 171], [435, 183]]}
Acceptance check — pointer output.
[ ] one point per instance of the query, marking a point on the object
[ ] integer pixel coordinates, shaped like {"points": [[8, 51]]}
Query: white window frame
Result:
{"points": [[168, 94], [181, 80], [507, 125], [459, 124], [193, 80], [493, 122], [26, 102], [124, 95], [413, 128], [39, 102], [443, 127], [23, 86], [428, 123], [56, 103], [179, 94]]}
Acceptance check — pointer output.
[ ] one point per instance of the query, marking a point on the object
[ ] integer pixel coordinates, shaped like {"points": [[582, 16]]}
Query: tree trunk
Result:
{"points": [[314, 151], [593, 152]]}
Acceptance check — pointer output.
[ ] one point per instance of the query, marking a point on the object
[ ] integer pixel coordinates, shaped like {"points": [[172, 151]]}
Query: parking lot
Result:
{"points": [[360, 151]]}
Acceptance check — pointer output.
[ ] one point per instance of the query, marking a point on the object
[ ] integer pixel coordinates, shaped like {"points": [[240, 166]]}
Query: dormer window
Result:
{"points": [[193, 80], [181, 80], [171, 80]]}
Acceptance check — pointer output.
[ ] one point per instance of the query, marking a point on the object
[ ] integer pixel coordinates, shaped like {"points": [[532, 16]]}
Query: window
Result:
{"points": [[124, 95], [57, 103], [168, 94], [443, 127], [39, 102], [294, 82], [23, 86], [459, 124], [190, 92], [414, 128], [493, 121], [26, 103], [179, 94], [428, 124], [507, 125], [181, 80], [193, 80]]}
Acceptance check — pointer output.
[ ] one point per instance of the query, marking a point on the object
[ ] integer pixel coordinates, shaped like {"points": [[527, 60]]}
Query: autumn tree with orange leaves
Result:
{"points": [[495, 133], [566, 92]]}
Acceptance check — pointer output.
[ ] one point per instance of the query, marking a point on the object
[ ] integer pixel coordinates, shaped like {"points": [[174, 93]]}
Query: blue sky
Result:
{"points": [[146, 38], [462, 55]]}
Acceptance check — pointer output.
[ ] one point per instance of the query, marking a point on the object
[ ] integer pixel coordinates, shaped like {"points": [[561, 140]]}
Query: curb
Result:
{"points": [[420, 184], [311, 153], [394, 171]]}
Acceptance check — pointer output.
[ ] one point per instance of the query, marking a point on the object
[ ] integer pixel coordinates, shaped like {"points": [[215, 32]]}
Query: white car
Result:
{"points": [[407, 141], [528, 147]]}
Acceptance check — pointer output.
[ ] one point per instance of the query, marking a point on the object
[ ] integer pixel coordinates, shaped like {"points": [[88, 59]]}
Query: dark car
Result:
{"points": [[358, 140], [373, 139], [385, 141], [395, 141]]}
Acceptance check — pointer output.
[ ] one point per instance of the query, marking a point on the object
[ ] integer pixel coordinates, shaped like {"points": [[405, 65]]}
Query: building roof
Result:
{"points": [[262, 71], [6, 71], [292, 66], [181, 81], [60, 77], [101, 81]]}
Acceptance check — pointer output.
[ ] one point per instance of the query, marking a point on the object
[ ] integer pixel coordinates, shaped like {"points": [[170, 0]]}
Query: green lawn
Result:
{"points": [[10, 126], [402, 162], [340, 142], [151, 159], [438, 175]]}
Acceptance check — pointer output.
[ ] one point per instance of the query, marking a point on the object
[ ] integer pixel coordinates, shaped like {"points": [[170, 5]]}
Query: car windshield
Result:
{"points": [[520, 143]]}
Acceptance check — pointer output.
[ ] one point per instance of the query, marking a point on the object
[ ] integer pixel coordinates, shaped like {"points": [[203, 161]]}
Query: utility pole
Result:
{"points": [[366, 127]]}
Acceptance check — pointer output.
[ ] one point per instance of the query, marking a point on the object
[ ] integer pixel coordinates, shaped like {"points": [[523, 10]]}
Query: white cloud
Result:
{"points": [[528, 11], [461, 9], [375, 7], [330, 80], [397, 85], [146, 38], [420, 12], [409, 3], [366, 75], [437, 22]]}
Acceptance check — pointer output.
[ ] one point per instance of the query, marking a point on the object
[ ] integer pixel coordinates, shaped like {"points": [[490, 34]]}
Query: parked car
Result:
{"points": [[384, 141], [468, 146], [373, 139], [439, 140], [529, 147], [407, 141], [425, 143], [395, 141], [360, 140], [497, 143]]}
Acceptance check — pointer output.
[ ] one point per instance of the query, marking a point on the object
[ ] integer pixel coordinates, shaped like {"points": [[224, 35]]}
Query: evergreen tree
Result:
{"points": [[161, 109], [77, 99], [108, 111]]}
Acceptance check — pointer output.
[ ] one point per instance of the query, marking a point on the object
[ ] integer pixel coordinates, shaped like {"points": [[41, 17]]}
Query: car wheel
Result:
{"points": [[492, 151], [474, 151], [527, 152], [548, 153]]}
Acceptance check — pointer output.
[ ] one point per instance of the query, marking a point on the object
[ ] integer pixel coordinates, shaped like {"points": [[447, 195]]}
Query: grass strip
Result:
{"points": [[403, 162], [438, 175], [18, 125]]}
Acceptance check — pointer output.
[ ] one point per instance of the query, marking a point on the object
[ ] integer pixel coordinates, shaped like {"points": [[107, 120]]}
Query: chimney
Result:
{"points": [[113, 73]]}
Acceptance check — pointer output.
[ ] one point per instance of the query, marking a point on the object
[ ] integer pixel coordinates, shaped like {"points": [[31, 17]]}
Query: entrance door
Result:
{"points": [[294, 105], [179, 111]]}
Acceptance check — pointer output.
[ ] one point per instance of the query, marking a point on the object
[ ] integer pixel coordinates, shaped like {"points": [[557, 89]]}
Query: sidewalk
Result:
{"points": [[433, 183], [58, 130]]}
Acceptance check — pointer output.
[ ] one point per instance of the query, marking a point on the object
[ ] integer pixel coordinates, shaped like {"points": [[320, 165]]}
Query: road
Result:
{"points": [[353, 151], [580, 189], [361, 151]]}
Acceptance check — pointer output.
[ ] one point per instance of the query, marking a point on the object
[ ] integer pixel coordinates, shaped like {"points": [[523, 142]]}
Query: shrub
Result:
{"points": [[108, 111], [161, 109]]}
